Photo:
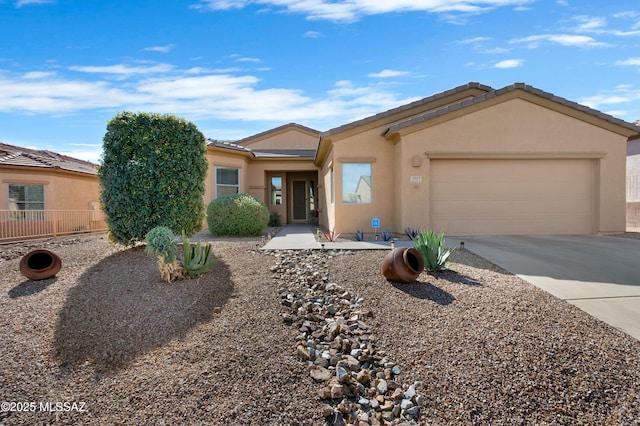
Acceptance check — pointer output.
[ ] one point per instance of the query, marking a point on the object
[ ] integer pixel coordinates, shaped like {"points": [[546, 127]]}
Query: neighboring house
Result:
{"points": [[45, 193], [633, 181], [469, 161]]}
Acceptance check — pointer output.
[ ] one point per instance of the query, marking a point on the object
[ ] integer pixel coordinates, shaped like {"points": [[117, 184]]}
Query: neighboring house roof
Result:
{"points": [[11, 155], [494, 93]]}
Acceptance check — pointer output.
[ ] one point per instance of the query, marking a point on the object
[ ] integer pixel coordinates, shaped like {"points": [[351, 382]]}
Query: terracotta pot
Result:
{"points": [[40, 264], [402, 265]]}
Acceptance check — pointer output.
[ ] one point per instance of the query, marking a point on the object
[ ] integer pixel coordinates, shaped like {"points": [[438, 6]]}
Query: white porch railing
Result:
{"points": [[25, 224], [633, 188]]}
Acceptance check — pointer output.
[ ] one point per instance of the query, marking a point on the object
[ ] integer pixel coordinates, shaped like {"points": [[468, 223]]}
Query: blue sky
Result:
{"points": [[239, 67]]}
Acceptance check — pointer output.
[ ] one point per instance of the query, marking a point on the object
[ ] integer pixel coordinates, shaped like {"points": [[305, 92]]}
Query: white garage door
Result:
{"points": [[511, 197]]}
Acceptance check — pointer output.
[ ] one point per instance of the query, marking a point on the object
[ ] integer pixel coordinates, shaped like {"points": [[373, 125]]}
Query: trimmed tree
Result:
{"points": [[152, 174]]}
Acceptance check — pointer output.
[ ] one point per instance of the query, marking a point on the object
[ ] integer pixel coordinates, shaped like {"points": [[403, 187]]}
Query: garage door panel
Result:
{"points": [[511, 197]]}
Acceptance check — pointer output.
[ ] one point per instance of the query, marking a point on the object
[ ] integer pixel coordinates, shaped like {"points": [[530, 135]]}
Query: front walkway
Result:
{"points": [[301, 237]]}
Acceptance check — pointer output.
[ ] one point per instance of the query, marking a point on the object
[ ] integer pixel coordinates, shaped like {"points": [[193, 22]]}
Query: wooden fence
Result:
{"points": [[18, 225]]}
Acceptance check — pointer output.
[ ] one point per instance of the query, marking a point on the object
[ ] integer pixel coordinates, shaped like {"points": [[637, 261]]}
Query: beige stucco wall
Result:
{"points": [[516, 128], [365, 147], [62, 190], [286, 138]]}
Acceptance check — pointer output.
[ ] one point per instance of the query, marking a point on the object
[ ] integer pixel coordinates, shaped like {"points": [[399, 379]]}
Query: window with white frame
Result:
{"points": [[26, 201], [227, 181]]}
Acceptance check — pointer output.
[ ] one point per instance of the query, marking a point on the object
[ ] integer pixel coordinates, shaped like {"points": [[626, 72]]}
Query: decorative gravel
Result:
{"points": [[106, 334]]}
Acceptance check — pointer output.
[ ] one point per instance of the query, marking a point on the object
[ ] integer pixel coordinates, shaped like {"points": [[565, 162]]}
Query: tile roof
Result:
{"points": [[263, 153], [493, 93], [12, 155], [276, 129], [226, 144], [423, 101]]}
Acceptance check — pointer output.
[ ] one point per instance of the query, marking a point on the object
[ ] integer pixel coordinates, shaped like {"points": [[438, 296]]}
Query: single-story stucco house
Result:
{"points": [[472, 160], [44, 193]]}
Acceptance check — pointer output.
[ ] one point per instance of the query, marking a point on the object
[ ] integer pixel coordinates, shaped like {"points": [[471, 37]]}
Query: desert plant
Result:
{"points": [[274, 219], [330, 235], [411, 233], [153, 172], [196, 259], [359, 235], [431, 247], [162, 242], [387, 235], [237, 215]]}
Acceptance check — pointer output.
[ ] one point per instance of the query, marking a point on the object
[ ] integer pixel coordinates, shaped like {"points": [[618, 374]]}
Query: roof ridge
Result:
{"points": [[497, 92], [410, 105]]}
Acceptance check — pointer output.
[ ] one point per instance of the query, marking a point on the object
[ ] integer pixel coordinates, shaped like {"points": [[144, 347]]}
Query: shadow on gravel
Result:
{"points": [[29, 287], [121, 309], [456, 278], [426, 291]]}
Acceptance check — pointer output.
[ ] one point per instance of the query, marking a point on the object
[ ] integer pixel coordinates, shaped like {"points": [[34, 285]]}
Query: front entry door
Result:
{"points": [[299, 200]]}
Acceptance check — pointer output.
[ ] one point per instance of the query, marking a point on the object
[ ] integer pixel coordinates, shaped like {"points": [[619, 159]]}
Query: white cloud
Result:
{"points": [[599, 25], [572, 40], [160, 49], [254, 60], [194, 96], [388, 74], [312, 34], [630, 61], [619, 101], [473, 40], [123, 69], [509, 63], [21, 3], [353, 10]]}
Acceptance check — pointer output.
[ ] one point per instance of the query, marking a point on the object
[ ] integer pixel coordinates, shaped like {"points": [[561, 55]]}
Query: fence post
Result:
{"points": [[55, 223]]}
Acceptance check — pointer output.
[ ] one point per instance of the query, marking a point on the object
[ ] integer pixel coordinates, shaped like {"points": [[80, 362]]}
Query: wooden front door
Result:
{"points": [[299, 201]]}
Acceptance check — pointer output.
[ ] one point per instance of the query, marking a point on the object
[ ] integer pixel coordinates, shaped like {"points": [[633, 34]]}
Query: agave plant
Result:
{"points": [[197, 259], [359, 235], [411, 233], [431, 247], [387, 235]]}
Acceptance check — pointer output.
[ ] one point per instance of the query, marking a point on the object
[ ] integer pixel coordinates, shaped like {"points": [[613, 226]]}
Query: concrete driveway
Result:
{"points": [[600, 275]]}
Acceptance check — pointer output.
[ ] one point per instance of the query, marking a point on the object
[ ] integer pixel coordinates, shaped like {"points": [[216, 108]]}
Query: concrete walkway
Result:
{"points": [[301, 237], [598, 274]]}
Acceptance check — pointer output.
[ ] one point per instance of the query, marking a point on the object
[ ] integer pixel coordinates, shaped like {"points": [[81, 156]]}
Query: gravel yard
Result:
{"points": [[483, 346]]}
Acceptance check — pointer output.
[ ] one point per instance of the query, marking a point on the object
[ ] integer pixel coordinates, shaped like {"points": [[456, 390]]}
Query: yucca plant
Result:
{"points": [[163, 244], [431, 247], [387, 235], [359, 235], [197, 259]]}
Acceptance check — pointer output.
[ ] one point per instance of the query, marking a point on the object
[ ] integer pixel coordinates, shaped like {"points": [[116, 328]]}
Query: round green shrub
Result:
{"points": [[152, 174], [237, 215]]}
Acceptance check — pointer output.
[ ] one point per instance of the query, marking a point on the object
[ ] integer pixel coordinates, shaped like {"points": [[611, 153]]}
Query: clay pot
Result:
{"points": [[402, 265], [40, 264]]}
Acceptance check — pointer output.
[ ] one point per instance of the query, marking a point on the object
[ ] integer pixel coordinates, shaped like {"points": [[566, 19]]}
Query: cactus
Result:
{"points": [[197, 259]]}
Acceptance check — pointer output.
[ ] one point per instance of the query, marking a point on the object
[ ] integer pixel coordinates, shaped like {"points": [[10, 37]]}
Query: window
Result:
{"points": [[356, 183], [23, 199], [276, 191], [332, 187], [227, 181]]}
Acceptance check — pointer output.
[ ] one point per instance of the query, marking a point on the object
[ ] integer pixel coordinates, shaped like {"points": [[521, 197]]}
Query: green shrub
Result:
{"points": [[431, 247], [153, 172], [161, 242], [237, 215]]}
